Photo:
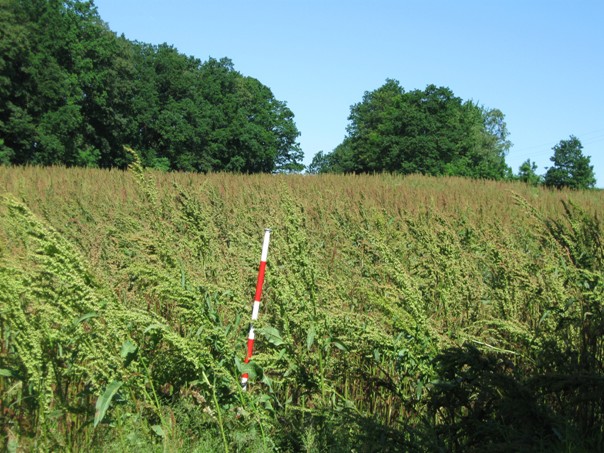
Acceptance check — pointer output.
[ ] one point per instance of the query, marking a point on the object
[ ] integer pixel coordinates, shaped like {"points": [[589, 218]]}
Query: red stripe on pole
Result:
{"points": [[260, 281], [250, 349]]}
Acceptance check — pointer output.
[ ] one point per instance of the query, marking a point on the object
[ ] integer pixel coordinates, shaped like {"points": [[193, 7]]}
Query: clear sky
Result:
{"points": [[541, 62]]}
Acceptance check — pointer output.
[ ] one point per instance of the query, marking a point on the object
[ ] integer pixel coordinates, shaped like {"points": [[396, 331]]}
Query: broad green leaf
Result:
{"points": [[267, 381], [376, 355], [339, 345], [253, 370], [272, 335], [157, 429], [128, 348], [102, 404], [310, 337], [267, 402], [13, 444]]}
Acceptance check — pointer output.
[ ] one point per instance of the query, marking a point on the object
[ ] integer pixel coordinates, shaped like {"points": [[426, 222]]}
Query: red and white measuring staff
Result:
{"points": [[256, 309]]}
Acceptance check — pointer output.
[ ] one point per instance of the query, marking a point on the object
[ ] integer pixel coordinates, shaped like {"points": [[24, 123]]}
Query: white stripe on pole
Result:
{"points": [[267, 238], [255, 310]]}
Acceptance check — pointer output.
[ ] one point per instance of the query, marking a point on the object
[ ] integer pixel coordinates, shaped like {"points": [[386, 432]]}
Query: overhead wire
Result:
{"points": [[587, 138]]}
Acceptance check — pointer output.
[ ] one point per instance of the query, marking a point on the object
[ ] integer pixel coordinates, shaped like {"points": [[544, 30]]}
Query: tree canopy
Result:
{"points": [[73, 93], [528, 173], [427, 131], [571, 168]]}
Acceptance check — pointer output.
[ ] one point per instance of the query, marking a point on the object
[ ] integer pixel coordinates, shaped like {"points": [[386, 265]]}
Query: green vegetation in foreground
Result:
{"points": [[399, 313]]}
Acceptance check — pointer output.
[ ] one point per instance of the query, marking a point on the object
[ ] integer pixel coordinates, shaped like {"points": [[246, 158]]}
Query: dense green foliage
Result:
{"points": [[429, 131], [399, 314], [528, 173], [73, 93], [571, 168]]}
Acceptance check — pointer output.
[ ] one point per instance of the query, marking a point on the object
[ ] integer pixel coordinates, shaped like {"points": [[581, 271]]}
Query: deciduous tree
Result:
{"points": [[571, 168], [528, 173], [429, 131]]}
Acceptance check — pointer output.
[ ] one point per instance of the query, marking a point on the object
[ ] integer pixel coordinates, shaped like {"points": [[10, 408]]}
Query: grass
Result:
{"points": [[411, 313]]}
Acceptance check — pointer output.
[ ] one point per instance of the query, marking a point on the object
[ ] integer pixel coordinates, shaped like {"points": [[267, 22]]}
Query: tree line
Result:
{"points": [[436, 133], [74, 93]]}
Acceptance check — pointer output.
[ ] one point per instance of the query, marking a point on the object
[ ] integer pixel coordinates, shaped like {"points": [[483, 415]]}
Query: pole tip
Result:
{"points": [[268, 229]]}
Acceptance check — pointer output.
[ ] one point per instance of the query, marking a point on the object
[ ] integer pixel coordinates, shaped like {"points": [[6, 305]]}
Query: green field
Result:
{"points": [[398, 314]]}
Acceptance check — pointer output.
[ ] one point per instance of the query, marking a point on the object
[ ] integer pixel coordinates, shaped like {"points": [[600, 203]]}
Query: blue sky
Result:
{"points": [[540, 62]]}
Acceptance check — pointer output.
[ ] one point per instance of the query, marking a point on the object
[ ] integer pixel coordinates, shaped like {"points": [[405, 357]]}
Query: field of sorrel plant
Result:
{"points": [[398, 314]]}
